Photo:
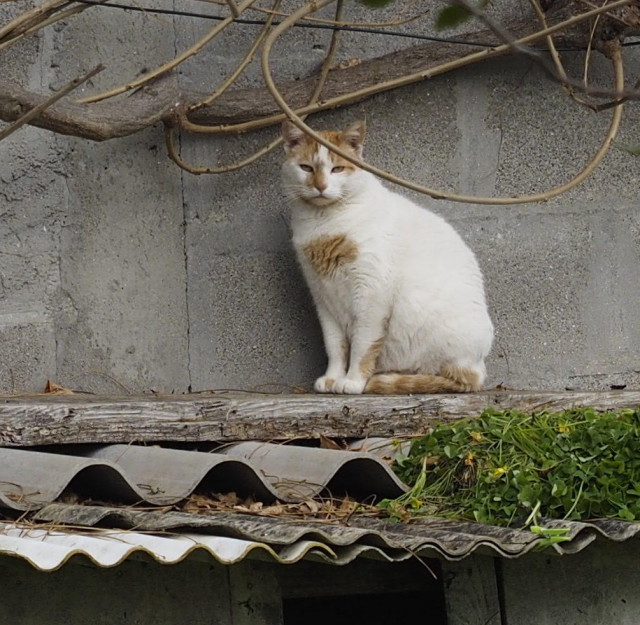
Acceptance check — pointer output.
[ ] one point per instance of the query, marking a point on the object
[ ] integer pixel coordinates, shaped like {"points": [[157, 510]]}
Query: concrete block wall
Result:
{"points": [[119, 272]]}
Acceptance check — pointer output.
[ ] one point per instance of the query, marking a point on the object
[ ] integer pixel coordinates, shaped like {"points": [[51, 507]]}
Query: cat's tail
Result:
{"points": [[451, 380]]}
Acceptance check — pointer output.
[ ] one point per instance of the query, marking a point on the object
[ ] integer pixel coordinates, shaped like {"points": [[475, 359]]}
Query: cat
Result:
{"points": [[399, 295]]}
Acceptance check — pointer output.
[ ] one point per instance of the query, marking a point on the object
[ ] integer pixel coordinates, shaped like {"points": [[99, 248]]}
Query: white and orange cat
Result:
{"points": [[399, 295]]}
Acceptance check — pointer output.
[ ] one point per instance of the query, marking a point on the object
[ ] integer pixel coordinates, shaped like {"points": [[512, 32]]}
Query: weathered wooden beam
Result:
{"points": [[55, 420]]}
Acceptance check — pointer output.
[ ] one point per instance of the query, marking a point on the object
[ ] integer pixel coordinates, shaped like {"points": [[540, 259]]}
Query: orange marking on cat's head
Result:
{"points": [[304, 148]]}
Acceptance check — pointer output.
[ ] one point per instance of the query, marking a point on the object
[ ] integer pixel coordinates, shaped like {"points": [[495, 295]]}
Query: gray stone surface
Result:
{"points": [[121, 313], [132, 592], [597, 585], [119, 271]]}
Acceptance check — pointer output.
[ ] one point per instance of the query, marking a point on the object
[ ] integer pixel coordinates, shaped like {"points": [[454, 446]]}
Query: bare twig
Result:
{"points": [[249, 109], [518, 46], [612, 16], [97, 122], [37, 110], [436, 194], [17, 30], [399, 21], [91, 122], [233, 7], [498, 29], [608, 105], [428, 72], [587, 54], [549, 39], [222, 169], [234, 75], [324, 71], [167, 67], [29, 18], [187, 125]]}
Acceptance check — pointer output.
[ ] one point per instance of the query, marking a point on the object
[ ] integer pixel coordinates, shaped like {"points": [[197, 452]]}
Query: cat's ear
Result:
{"points": [[353, 136], [292, 136]]}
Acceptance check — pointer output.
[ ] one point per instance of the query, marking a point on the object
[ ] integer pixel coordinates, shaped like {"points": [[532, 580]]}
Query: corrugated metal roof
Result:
{"points": [[48, 549], [450, 539], [159, 476], [41, 482], [231, 537]]}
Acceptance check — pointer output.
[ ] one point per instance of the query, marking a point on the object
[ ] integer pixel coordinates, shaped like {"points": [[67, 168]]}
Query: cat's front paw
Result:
{"points": [[324, 384], [348, 386]]}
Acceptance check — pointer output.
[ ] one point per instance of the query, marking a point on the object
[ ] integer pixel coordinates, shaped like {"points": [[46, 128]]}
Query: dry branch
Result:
{"points": [[157, 101], [105, 120], [297, 120], [324, 71], [245, 105], [50, 101]]}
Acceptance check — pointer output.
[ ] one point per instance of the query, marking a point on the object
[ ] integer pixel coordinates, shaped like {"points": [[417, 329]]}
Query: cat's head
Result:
{"points": [[316, 175]]}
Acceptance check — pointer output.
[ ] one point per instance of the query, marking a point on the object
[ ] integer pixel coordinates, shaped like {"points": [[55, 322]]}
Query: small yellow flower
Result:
{"points": [[477, 436], [563, 428], [469, 459], [499, 471]]}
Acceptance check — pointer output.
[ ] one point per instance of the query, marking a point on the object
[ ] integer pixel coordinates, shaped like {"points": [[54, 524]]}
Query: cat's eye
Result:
{"points": [[337, 169], [306, 168]]}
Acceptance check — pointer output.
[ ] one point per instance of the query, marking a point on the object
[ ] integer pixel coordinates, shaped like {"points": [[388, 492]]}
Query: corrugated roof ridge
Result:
{"points": [[159, 476]]}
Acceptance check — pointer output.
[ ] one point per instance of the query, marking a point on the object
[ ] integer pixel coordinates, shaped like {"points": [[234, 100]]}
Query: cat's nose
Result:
{"points": [[320, 184]]}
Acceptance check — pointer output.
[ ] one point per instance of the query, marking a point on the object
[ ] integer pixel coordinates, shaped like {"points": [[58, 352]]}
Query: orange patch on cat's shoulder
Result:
{"points": [[329, 252]]}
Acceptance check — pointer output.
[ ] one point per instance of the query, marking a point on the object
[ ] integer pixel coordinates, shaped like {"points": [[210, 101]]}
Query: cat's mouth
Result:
{"points": [[321, 200]]}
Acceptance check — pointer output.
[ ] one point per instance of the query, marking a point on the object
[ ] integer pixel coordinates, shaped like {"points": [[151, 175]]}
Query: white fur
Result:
{"points": [[414, 283]]}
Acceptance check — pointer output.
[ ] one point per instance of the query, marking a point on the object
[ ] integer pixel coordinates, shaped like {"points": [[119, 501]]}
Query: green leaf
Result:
{"points": [[631, 149], [592, 470], [452, 16], [625, 514]]}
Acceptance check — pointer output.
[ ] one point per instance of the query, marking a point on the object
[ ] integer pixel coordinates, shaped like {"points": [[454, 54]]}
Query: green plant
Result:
{"points": [[509, 468], [455, 14]]}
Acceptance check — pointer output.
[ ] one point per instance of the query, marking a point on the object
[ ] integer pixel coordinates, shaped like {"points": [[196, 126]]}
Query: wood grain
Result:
{"points": [[54, 420]]}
